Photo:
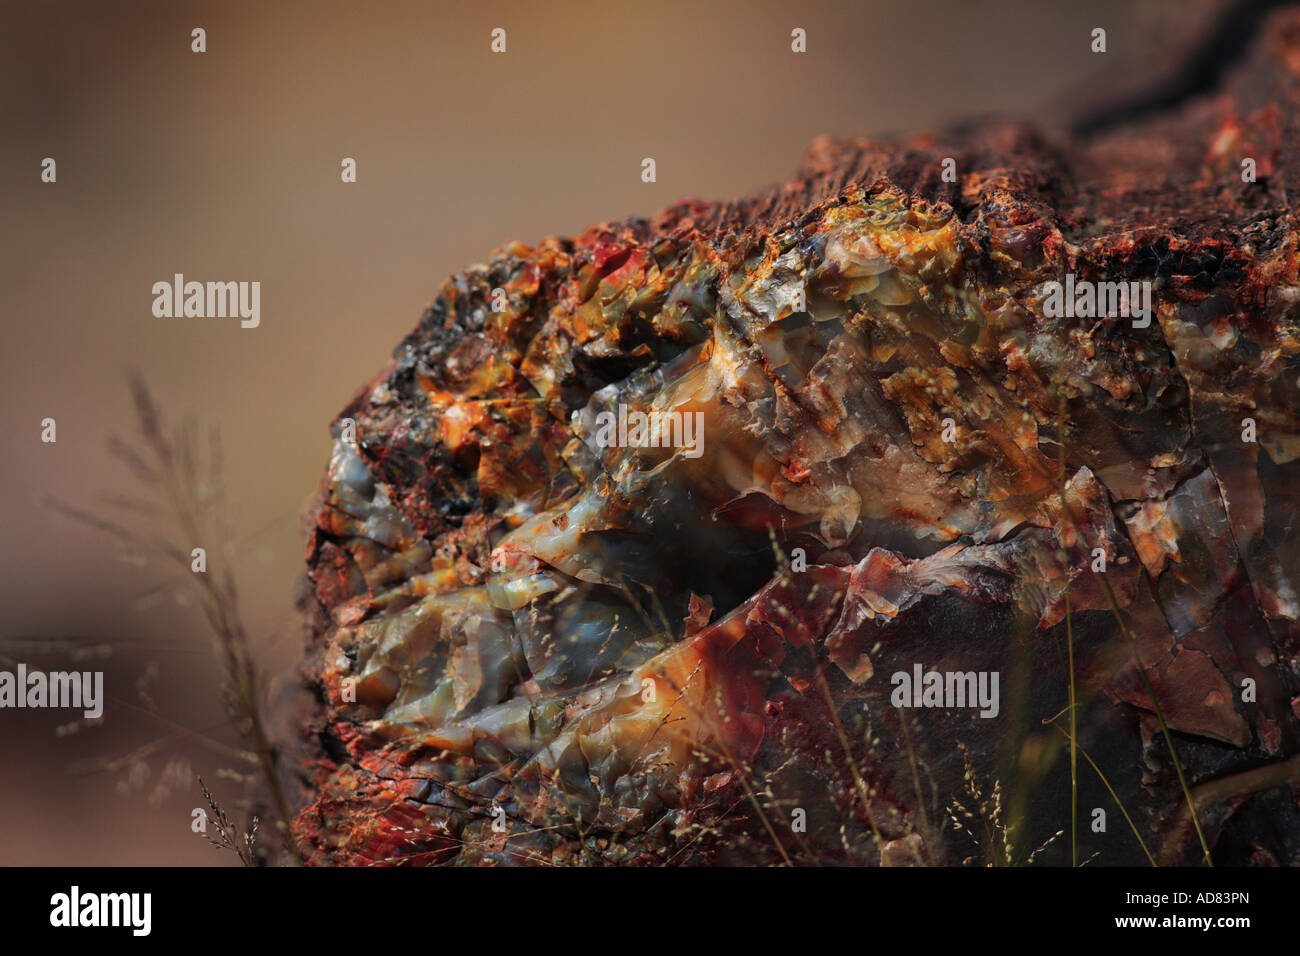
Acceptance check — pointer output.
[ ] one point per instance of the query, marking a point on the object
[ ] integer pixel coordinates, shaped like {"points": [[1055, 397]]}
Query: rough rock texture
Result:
{"points": [[533, 647]]}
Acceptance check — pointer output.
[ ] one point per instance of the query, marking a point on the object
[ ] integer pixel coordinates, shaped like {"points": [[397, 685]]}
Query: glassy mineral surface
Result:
{"points": [[767, 531]]}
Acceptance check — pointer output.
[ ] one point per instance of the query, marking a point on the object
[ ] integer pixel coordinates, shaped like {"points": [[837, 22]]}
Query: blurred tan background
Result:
{"points": [[225, 166]]}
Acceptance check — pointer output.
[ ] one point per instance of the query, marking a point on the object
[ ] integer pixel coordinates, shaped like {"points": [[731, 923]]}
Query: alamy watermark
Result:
{"points": [[946, 689], [57, 689], [75, 908], [1083, 299], [653, 429], [210, 300]]}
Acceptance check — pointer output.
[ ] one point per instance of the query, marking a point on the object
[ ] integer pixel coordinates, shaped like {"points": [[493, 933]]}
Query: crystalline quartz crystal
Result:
{"points": [[532, 647]]}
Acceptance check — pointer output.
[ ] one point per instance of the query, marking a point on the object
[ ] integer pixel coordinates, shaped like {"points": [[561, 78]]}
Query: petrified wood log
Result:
{"points": [[542, 637]]}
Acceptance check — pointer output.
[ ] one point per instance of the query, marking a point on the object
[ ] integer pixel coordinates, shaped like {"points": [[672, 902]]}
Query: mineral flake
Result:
{"points": [[535, 643]]}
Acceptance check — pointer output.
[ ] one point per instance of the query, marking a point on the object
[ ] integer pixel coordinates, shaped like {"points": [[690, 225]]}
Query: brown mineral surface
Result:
{"points": [[645, 545]]}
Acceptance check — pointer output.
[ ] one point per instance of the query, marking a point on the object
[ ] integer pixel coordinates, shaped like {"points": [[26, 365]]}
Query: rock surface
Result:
{"points": [[539, 641]]}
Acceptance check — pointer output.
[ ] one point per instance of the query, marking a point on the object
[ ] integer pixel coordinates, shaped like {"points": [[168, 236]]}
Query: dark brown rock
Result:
{"points": [[640, 654]]}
